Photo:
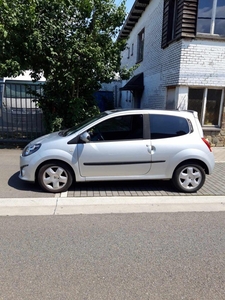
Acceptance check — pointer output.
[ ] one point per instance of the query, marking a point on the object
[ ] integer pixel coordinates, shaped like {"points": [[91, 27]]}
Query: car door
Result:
{"points": [[168, 137], [118, 147]]}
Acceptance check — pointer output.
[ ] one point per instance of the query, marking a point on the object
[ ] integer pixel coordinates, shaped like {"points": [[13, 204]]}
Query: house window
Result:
{"points": [[128, 52], [211, 17], [208, 103], [172, 20], [140, 45], [132, 50]]}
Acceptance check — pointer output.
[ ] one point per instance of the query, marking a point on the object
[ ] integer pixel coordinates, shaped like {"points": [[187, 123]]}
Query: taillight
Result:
{"points": [[207, 144]]}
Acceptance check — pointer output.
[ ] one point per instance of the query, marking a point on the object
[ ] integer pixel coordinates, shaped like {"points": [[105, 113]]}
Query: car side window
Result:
{"points": [[165, 126], [118, 128]]}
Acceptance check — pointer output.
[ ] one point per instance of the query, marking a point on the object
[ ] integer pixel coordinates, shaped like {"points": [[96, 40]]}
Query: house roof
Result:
{"points": [[133, 17]]}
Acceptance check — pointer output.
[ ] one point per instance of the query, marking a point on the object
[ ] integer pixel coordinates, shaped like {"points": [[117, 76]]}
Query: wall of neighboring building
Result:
{"points": [[15, 93], [160, 66], [20, 117], [25, 77], [169, 72], [152, 64], [203, 65]]}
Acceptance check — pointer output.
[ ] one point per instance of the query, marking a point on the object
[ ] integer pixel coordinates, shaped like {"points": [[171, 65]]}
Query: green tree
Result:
{"points": [[71, 42]]}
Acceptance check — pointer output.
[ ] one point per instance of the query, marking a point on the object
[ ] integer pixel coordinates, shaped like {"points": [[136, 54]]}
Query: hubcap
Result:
{"points": [[190, 178], [55, 178]]}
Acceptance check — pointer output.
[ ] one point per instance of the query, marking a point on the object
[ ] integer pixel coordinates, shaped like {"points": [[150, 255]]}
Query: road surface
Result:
{"points": [[149, 256]]}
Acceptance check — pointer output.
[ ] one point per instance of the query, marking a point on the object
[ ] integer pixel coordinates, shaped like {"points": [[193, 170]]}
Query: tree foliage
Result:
{"points": [[71, 42]]}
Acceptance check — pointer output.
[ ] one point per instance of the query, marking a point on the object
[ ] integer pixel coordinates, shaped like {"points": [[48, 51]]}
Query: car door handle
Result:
{"points": [[151, 149]]}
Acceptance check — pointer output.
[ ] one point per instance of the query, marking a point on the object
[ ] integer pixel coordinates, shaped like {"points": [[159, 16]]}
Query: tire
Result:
{"points": [[189, 178], [55, 177]]}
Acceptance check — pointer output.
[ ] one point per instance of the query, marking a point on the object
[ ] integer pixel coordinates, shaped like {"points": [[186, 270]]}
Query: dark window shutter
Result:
{"points": [[165, 23], [186, 19]]}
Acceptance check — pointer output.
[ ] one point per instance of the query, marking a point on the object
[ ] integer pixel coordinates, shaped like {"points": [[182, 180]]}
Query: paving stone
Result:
{"points": [[214, 185]]}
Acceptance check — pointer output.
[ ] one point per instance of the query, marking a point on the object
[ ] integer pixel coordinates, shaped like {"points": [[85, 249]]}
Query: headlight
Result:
{"points": [[30, 148]]}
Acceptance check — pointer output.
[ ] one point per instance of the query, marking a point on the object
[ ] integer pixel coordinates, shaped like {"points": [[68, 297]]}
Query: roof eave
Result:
{"points": [[135, 13]]}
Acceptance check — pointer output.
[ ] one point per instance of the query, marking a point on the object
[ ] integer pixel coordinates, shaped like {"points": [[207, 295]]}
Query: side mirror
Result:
{"points": [[85, 137]]}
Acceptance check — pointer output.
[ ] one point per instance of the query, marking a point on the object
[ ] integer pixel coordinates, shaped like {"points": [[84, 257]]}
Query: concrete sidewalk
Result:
{"points": [[109, 205], [219, 153]]}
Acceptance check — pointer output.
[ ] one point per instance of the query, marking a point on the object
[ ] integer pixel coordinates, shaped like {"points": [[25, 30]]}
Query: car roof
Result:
{"points": [[154, 111]]}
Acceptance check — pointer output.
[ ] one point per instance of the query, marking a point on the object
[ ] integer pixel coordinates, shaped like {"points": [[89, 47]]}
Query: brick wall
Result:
{"points": [[202, 63]]}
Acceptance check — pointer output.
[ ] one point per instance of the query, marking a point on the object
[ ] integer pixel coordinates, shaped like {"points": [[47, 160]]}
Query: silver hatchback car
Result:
{"points": [[122, 145]]}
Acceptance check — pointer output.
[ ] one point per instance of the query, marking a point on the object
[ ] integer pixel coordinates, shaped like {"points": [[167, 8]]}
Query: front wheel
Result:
{"points": [[189, 178], [55, 177]]}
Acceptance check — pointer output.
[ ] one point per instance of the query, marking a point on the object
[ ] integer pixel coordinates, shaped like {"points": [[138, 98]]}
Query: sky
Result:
{"points": [[129, 4]]}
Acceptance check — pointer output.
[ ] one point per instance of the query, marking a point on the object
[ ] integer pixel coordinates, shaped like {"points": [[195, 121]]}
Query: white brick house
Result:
{"points": [[179, 47]]}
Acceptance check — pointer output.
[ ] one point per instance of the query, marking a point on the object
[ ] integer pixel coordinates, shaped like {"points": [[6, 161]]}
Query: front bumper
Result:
{"points": [[27, 171]]}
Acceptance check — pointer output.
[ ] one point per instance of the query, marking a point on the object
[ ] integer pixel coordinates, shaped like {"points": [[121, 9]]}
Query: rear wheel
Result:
{"points": [[189, 178], [55, 177]]}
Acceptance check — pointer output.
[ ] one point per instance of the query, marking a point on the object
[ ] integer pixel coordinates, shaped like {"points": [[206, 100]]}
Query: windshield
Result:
{"points": [[81, 125]]}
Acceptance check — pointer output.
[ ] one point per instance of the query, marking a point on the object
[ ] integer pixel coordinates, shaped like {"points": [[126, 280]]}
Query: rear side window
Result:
{"points": [[162, 126]]}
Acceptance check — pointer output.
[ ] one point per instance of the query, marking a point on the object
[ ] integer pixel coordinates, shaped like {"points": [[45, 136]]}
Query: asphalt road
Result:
{"points": [[113, 257]]}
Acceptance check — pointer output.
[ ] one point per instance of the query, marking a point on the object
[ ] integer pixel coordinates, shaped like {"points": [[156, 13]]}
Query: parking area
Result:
{"points": [[12, 187], [214, 185]]}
